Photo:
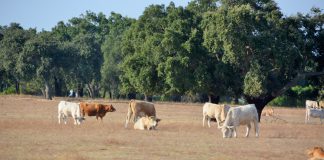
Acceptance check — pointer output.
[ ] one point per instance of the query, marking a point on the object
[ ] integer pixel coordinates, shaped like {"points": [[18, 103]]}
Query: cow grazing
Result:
{"points": [[311, 104], [316, 153], [139, 109], [146, 122], [268, 112], [69, 109], [315, 113], [242, 115], [95, 109], [217, 111]]}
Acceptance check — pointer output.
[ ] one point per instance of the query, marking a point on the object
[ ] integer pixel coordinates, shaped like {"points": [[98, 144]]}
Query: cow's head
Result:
{"points": [[227, 131], [109, 108], [152, 122], [80, 119]]}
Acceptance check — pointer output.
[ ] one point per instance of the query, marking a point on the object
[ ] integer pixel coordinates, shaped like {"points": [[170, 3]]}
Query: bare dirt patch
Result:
{"points": [[30, 130]]}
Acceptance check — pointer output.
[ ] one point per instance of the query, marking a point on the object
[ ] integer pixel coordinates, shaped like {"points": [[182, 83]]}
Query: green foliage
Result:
{"points": [[10, 90], [284, 101], [254, 82], [210, 47]]}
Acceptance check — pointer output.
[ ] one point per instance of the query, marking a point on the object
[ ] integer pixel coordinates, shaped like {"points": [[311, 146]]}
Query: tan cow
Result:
{"points": [[268, 112], [311, 104], [95, 109], [217, 111], [139, 109], [321, 104], [316, 153], [146, 122]]}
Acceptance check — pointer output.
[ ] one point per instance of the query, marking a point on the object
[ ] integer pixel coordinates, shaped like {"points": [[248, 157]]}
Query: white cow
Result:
{"points": [[242, 115], [315, 113], [311, 104], [217, 111], [146, 122], [69, 109]]}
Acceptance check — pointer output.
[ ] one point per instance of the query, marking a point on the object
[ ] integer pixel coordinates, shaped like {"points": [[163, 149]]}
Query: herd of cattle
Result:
{"points": [[143, 114]]}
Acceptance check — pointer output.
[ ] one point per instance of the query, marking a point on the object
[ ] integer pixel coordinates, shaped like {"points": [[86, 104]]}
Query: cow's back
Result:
{"points": [[209, 109], [241, 115], [88, 108], [143, 107]]}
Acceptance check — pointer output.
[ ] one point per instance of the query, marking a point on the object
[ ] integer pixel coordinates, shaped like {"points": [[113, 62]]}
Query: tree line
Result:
{"points": [[240, 48]]}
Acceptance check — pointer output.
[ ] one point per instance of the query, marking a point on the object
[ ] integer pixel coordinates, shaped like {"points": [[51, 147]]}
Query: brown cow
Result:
{"points": [[95, 109], [316, 153], [139, 109]]}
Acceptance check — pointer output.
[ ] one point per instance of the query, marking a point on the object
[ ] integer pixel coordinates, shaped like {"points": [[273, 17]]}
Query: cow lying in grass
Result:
{"points": [[316, 153], [139, 109], [267, 112], [146, 122]]}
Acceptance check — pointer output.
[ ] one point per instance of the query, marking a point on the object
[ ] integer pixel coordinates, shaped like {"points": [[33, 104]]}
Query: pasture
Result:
{"points": [[30, 130]]}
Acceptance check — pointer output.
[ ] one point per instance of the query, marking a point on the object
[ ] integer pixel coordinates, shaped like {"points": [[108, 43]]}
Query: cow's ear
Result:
{"points": [[158, 120]]}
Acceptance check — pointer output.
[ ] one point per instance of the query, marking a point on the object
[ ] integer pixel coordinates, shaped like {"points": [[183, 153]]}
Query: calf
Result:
{"points": [[146, 122], [216, 111], [69, 109], [242, 115]]}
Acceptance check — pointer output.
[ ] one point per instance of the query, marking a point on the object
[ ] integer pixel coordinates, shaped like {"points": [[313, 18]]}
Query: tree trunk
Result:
{"points": [[148, 98], [47, 91], [17, 86], [80, 90], [260, 102], [213, 99], [58, 86], [90, 90]]}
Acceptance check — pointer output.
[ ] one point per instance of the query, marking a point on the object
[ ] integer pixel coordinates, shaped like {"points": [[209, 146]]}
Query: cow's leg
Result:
{"points": [[248, 127], [256, 128], [135, 116], [64, 119], [306, 116], [234, 132], [128, 116], [204, 118], [59, 118], [208, 121], [218, 121], [74, 119]]}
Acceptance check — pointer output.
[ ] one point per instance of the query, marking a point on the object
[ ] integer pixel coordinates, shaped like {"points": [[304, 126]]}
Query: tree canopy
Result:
{"points": [[228, 48]]}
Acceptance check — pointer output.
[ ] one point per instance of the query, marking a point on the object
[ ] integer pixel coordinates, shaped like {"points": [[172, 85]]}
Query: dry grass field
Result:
{"points": [[30, 130]]}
